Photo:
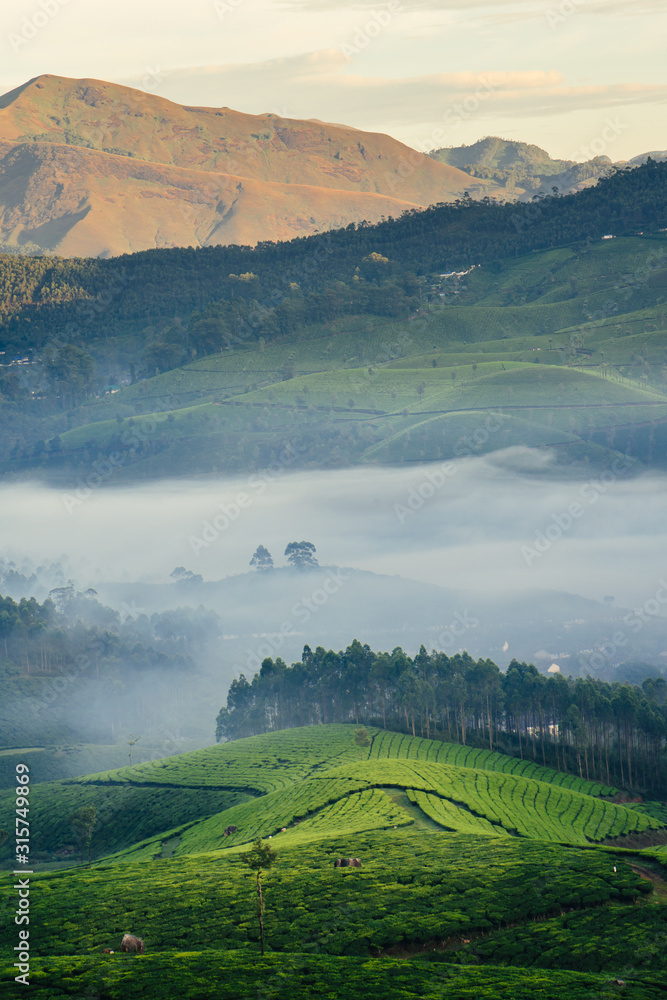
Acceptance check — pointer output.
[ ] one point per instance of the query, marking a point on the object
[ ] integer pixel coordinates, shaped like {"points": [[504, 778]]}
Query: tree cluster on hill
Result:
{"points": [[614, 732], [300, 555]]}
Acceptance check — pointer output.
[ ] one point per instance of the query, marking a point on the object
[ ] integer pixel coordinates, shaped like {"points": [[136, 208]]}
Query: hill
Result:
{"points": [[524, 169], [398, 342], [450, 856], [89, 168]]}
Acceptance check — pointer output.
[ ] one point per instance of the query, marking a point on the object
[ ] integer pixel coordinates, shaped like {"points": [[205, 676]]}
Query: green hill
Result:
{"points": [[523, 168], [192, 362], [569, 345], [455, 843]]}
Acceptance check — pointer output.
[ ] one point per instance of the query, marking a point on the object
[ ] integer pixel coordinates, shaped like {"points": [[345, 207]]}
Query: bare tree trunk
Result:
{"points": [[606, 752], [261, 913], [488, 715]]}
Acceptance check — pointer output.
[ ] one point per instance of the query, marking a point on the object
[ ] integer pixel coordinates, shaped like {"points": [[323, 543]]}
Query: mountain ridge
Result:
{"points": [[319, 175], [525, 169]]}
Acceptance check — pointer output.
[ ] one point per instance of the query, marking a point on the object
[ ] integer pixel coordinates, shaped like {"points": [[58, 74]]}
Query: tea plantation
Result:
{"points": [[230, 976], [480, 877], [285, 779]]}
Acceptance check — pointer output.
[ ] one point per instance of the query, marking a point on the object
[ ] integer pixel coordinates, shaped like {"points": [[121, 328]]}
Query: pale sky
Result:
{"points": [[577, 77]]}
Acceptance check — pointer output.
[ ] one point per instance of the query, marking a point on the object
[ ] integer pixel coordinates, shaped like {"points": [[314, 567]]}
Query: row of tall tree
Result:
{"points": [[612, 732]]}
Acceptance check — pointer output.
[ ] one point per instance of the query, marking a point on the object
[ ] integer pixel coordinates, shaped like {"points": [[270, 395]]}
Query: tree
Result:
{"points": [[83, 822], [301, 555], [362, 739], [130, 742], [260, 856], [162, 357], [71, 372], [186, 576], [262, 560]]}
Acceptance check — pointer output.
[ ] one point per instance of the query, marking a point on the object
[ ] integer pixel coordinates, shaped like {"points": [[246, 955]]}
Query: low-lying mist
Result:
{"points": [[499, 556], [501, 523]]}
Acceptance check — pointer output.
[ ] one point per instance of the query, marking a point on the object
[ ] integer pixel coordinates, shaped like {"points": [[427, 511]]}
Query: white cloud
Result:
{"points": [[322, 85], [252, 58]]}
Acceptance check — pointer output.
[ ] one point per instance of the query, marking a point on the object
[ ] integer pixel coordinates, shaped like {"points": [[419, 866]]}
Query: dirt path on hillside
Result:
{"points": [[659, 884], [421, 820]]}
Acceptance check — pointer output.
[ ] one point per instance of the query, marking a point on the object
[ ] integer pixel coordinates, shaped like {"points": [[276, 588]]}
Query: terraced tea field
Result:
{"points": [[456, 846], [412, 887], [311, 780], [257, 763], [399, 746], [634, 940]]}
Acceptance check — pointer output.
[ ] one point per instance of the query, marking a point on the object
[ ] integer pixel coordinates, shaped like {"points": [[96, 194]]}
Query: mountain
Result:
{"points": [[89, 168], [524, 169], [658, 155]]}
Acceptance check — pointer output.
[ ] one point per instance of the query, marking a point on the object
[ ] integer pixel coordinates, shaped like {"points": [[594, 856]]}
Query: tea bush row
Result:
{"points": [[414, 887], [191, 975], [414, 748], [623, 939], [264, 763]]}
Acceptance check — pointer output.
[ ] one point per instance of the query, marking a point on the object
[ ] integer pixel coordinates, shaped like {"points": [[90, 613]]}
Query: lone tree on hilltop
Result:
{"points": [[301, 555], [262, 559], [83, 822], [260, 856]]}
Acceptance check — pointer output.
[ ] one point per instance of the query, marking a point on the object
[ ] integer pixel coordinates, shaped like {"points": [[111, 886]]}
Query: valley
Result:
{"points": [[333, 459]]}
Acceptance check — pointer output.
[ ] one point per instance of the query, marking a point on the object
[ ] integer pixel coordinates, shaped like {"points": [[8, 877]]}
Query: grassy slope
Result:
{"points": [[314, 779], [418, 888], [594, 318]]}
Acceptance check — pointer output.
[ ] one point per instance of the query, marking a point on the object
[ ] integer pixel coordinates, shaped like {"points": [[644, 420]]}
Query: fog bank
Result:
{"points": [[486, 524]]}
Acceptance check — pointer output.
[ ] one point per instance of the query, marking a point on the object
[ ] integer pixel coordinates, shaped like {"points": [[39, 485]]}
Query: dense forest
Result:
{"points": [[614, 732]]}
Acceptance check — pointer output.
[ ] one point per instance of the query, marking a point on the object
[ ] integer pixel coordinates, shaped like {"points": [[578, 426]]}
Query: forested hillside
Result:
{"points": [[41, 297], [368, 343], [73, 669]]}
